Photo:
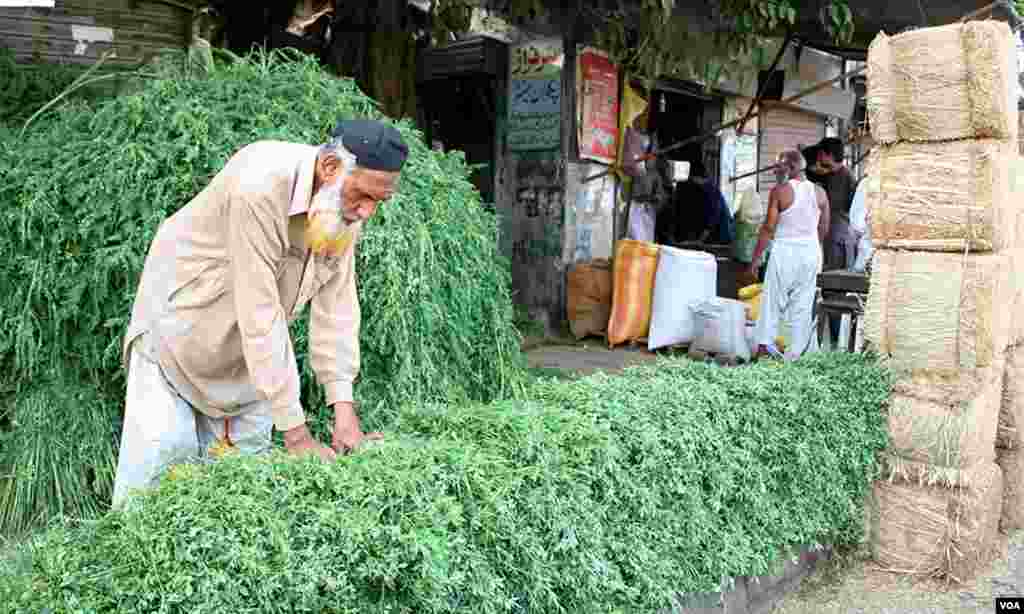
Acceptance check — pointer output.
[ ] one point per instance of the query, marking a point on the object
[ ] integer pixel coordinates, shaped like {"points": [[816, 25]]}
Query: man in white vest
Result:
{"points": [[796, 225]]}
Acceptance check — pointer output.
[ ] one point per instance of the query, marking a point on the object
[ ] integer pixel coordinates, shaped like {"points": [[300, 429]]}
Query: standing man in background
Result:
{"points": [[798, 220], [840, 186], [841, 244]]}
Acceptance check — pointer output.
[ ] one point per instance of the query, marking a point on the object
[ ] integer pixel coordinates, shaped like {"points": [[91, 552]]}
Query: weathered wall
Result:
{"points": [[784, 128], [80, 31], [589, 214]]}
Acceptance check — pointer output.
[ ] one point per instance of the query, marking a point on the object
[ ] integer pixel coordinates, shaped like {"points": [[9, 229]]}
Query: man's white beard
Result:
{"points": [[327, 232]]}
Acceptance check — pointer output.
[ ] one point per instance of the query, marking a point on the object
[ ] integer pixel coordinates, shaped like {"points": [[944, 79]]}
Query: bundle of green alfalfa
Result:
{"points": [[84, 189], [608, 494]]}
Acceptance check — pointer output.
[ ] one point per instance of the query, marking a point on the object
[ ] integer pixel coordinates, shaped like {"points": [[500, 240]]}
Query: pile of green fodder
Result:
{"points": [[608, 494], [84, 190], [29, 86]]}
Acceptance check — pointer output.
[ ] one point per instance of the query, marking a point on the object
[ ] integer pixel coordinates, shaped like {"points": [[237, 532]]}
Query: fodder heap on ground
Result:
{"points": [[609, 494]]}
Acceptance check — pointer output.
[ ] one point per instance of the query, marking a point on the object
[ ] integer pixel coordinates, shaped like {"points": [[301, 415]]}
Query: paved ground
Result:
{"points": [[851, 586], [584, 358]]}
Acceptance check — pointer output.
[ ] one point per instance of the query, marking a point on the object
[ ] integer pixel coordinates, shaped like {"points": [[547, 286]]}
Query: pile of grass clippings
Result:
{"points": [[609, 494], [84, 190]]}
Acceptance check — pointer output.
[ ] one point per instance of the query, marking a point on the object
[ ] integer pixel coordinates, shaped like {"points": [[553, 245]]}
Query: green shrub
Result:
{"points": [[610, 494], [84, 191]]}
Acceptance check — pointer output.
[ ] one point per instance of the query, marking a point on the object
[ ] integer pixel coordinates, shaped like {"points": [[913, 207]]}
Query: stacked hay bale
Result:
{"points": [[942, 104]]}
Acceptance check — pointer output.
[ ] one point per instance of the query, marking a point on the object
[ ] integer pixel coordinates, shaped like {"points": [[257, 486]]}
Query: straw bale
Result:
{"points": [[944, 83], [1017, 301], [938, 314], [1010, 432], [944, 197], [936, 522], [947, 421], [1012, 464]]}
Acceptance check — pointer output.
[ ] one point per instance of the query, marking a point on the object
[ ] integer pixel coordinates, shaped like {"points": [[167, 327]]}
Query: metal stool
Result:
{"points": [[850, 304]]}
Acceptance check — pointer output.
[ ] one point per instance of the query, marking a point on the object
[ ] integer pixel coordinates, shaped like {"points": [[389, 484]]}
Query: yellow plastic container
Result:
{"points": [[751, 295]]}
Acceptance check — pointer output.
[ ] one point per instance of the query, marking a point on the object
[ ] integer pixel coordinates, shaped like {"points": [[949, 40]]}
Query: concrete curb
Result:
{"points": [[756, 594]]}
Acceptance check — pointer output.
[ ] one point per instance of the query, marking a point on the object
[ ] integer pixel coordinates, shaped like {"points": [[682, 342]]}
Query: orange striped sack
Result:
{"points": [[636, 263]]}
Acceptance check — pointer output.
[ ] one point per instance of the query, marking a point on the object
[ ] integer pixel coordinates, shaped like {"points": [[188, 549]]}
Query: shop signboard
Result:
{"points": [[535, 95]]}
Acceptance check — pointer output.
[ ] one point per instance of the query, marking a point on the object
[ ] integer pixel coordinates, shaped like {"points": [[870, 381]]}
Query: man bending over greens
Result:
{"points": [[211, 366]]}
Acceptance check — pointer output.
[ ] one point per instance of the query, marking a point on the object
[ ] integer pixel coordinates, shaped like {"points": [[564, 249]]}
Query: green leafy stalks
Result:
{"points": [[85, 189], [609, 494]]}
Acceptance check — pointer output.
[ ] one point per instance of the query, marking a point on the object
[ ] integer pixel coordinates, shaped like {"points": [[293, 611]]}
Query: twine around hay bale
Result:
{"points": [[939, 313], [944, 197], [947, 425], [935, 521], [1012, 464], [1010, 434], [943, 83]]}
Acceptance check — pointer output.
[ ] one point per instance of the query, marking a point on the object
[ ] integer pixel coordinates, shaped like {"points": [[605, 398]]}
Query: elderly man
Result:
{"points": [[797, 223], [210, 362]]}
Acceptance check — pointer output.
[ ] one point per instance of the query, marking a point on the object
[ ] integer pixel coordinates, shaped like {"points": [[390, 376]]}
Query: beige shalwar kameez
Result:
{"points": [[208, 338]]}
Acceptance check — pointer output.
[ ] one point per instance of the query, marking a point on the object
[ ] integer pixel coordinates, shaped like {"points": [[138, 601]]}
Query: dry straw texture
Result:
{"points": [[948, 422], [1012, 464], [938, 314], [1011, 416], [944, 197], [636, 264], [944, 83], [935, 522]]}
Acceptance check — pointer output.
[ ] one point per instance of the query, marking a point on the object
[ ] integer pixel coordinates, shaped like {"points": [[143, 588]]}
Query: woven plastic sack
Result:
{"points": [[944, 197], [720, 325], [589, 298], [947, 421], [1012, 464], [939, 314], [944, 83], [635, 267], [684, 277], [935, 522]]}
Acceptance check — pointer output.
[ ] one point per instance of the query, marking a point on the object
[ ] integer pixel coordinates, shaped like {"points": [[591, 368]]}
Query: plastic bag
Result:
{"points": [[683, 277], [721, 325]]}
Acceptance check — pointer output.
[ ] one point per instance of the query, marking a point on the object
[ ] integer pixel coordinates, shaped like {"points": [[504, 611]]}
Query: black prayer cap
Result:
{"points": [[376, 145]]}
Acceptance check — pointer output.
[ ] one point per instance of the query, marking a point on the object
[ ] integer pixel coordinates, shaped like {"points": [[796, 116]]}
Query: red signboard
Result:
{"points": [[599, 106]]}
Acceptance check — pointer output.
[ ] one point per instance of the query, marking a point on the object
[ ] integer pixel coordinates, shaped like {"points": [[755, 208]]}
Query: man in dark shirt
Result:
{"points": [[841, 244], [697, 212]]}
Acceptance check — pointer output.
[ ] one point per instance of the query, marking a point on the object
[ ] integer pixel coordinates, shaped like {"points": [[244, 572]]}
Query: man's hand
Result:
{"points": [[348, 434], [299, 442]]}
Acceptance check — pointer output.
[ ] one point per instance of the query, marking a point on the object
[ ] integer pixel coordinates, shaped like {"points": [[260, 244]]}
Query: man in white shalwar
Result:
{"points": [[859, 225], [797, 224]]}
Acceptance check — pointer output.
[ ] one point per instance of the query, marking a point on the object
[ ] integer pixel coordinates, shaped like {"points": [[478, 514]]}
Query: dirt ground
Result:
{"points": [[569, 358], [850, 585]]}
